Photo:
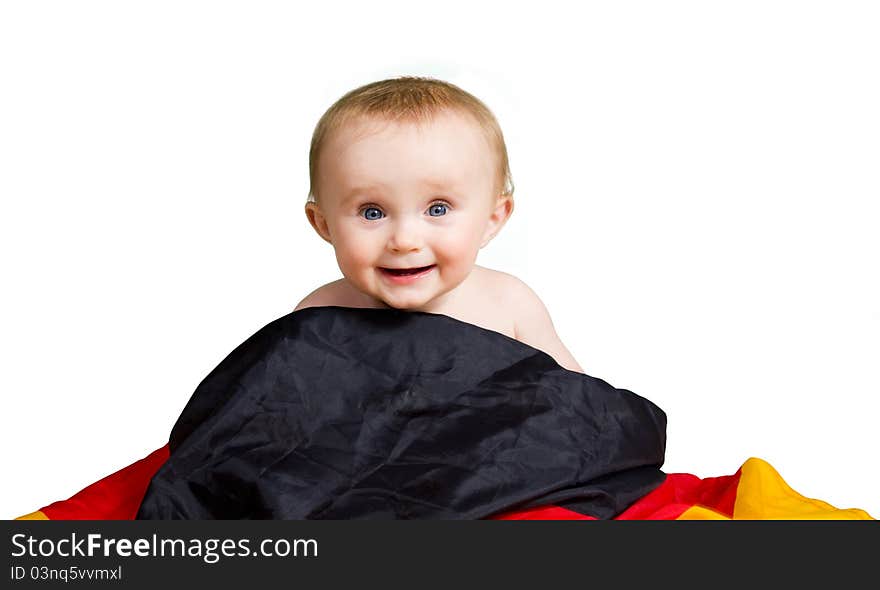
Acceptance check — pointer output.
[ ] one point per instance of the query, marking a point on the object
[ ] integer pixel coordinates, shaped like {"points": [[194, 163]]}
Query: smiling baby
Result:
{"points": [[409, 180]]}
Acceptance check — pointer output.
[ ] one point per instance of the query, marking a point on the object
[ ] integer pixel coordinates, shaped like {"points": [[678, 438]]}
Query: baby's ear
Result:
{"points": [[318, 221], [498, 217]]}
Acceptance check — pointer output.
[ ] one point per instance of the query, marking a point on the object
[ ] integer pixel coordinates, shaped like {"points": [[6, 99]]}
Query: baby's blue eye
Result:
{"points": [[372, 213], [437, 210]]}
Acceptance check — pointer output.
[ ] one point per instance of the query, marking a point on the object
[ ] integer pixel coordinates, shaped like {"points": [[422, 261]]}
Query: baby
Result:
{"points": [[409, 180]]}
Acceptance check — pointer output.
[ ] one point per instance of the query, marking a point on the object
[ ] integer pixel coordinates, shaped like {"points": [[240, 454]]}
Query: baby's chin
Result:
{"points": [[414, 307], [405, 305], [368, 297], [408, 302]]}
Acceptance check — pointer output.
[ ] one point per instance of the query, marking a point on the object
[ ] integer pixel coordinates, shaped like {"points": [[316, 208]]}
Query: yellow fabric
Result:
{"points": [[763, 495], [38, 515]]}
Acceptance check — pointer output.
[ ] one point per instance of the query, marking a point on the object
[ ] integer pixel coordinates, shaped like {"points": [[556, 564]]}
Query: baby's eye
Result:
{"points": [[372, 213], [437, 209]]}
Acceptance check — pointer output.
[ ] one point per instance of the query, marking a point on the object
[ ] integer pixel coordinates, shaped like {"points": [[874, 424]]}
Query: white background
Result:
{"points": [[696, 203]]}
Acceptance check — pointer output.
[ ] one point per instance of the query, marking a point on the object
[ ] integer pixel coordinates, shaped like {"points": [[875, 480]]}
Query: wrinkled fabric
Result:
{"points": [[343, 413]]}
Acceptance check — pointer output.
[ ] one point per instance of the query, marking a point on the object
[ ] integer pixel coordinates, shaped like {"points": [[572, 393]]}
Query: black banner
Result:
{"points": [[269, 554]]}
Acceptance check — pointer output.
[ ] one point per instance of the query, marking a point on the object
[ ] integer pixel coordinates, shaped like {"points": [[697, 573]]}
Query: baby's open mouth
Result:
{"points": [[402, 272]]}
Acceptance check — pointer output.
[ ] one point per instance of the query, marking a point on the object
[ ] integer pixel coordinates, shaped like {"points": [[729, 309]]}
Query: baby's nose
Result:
{"points": [[405, 237]]}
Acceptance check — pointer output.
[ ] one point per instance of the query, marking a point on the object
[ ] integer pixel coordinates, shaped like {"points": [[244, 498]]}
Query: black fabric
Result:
{"points": [[343, 413]]}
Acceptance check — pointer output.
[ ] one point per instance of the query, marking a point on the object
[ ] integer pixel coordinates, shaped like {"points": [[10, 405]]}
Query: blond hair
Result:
{"points": [[408, 99]]}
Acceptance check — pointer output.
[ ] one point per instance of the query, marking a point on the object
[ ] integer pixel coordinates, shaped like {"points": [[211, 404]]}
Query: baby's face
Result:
{"points": [[407, 207]]}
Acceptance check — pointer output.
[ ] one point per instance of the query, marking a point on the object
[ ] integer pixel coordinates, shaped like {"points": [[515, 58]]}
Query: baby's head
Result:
{"points": [[406, 174]]}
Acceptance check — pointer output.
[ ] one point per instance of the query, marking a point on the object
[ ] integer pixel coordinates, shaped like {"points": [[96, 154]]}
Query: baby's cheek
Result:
{"points": [[457, 256], [354, 262]]}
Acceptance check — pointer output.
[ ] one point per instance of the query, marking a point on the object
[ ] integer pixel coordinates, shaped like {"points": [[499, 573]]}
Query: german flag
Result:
{"points": [[341, 413], [755, 492]]}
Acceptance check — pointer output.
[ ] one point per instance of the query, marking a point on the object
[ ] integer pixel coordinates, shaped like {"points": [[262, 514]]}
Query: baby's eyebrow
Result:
{"points": [[439, 183], [357, 191]]}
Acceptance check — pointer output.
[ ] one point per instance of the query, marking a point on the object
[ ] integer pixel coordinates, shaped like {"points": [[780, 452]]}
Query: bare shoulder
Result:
{"points": [[330, 294], [316, 298], [532, 322], [499, 287], [505, 288]]}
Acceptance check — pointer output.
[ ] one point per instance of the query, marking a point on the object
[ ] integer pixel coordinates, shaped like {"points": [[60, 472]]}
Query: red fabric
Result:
{"points": [[681, 491], [115, 497], [543, 513], [676, 494]]}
